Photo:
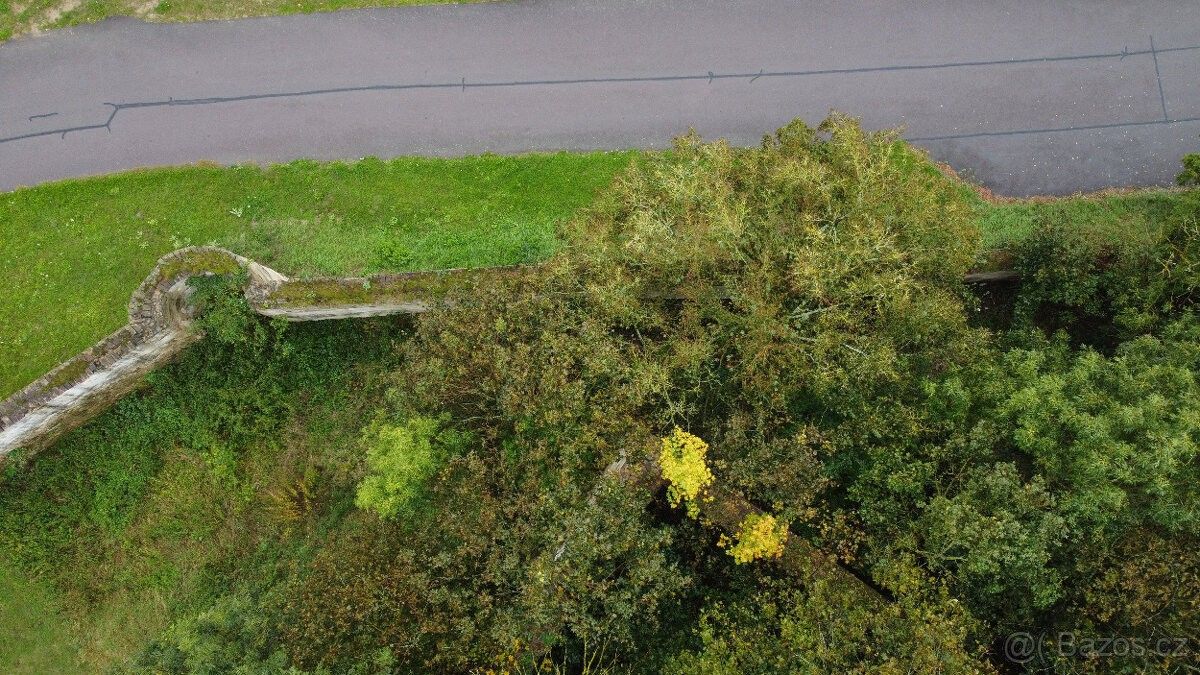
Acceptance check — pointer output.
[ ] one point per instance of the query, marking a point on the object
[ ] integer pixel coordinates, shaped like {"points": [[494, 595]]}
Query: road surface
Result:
{"points": [[1024, 97]]}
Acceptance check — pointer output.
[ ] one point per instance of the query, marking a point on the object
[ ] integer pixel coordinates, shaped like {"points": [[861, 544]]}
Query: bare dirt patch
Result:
{"points": [[52, 14], [145, 8]]}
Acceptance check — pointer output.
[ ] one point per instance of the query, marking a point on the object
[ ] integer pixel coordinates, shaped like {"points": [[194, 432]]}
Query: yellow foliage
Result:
{"points": [[683, 465], [760, 536]]}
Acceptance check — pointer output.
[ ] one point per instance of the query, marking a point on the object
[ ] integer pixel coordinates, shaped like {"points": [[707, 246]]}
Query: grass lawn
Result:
{"points": [[74, 251], [18, 17], [34, 637]]}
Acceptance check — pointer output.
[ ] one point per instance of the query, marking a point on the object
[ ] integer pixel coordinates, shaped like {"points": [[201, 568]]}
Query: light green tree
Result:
{"points": [[401, 458]]}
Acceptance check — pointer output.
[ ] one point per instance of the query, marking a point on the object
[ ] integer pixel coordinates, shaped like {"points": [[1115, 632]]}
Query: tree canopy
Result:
{"points": [[799, 310]]}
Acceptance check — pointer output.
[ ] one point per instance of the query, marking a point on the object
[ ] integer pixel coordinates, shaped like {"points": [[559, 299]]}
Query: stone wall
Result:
{"points": [[160, 327]]}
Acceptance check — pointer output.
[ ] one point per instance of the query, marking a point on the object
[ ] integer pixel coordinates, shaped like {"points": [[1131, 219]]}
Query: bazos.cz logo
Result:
{"points": [[1022, 647]]}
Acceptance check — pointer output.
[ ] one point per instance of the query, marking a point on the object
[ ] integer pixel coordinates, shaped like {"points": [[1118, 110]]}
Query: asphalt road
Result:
{"points": [[1025, 97]]}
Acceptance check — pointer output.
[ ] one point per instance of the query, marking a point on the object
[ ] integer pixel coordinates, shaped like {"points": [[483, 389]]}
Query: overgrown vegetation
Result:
{"points": [[1190, 176], [789, 322], [211, 481]]}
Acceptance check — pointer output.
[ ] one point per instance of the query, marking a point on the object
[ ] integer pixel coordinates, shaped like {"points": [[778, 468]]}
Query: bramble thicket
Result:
{"points": [[789, 322]]}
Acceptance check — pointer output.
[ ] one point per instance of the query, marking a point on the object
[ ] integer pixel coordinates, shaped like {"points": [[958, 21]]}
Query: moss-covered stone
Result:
{"points": [[68, 373], [381, 289], [199, 261]]}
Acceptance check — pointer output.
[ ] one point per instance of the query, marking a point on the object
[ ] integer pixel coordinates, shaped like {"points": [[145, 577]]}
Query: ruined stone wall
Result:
{"points": [[90, 382], [160, 327]]}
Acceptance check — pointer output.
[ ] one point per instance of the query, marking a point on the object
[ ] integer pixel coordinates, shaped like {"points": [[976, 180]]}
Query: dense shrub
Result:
{"points": [[1109, 283], [784, 303], [400, 459], [1115, 438], [459, 587], [228, 636], [819, 629]]}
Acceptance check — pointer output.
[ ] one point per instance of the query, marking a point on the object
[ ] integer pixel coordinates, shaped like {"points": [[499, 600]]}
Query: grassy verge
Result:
{"points": [[1004, 222], [21, 17], [75, 250]]}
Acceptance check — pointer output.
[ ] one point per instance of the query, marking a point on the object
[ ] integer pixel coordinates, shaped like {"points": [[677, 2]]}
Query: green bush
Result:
{"points": [[1106, 284], [221, 308], [401, 458], [784, 630], [1190, 176], [229, 636], [788, 303], [1115, 438], [997, 537]]}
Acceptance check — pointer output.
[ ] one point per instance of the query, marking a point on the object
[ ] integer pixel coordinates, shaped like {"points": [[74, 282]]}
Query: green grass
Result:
{"points": [[1004, 223], [34, 636], [74, 251], [18, 17]]}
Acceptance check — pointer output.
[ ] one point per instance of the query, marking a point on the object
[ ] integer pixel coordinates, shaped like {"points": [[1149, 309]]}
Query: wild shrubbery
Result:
{"points": [[1107, 284], [792, 319], [172, 502], [781, 628], [784, 303], [1190, 176], [400, 459], [800, 307]]}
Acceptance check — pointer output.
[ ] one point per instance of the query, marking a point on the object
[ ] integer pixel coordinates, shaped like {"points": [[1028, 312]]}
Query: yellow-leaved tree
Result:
{"points": [[682, 459]]}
